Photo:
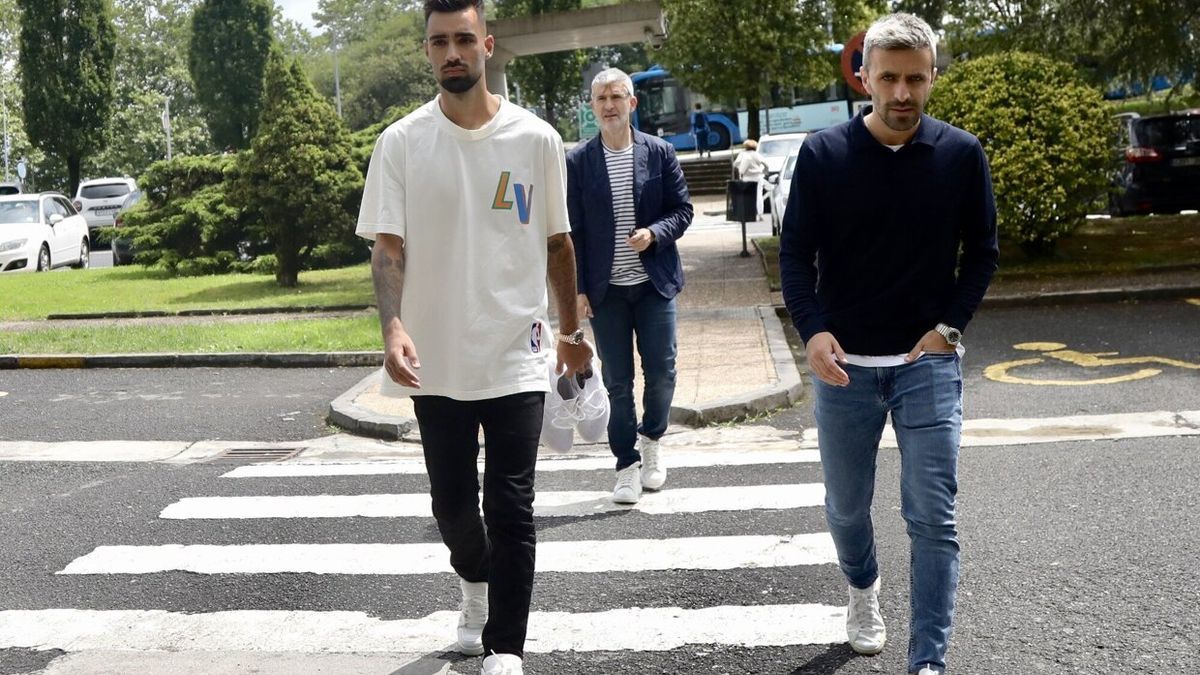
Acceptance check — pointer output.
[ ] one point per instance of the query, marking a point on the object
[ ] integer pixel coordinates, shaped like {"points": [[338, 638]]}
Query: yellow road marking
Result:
{"points": [[1001, 372], [1194, 301]]}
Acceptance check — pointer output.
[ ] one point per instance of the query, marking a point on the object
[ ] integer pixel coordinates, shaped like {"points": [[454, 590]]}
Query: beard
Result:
{"points": [[459, 84], [897, 123]]}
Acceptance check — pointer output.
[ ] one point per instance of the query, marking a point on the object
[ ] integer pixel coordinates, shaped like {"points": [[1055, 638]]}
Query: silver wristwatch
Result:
{"points": [[953, 335], [573, 338]]}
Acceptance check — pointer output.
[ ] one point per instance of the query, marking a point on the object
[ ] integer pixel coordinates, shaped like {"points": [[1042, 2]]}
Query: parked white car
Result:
{"points": [[779, 192], [776, 148], [99, 199], [39, 232]]}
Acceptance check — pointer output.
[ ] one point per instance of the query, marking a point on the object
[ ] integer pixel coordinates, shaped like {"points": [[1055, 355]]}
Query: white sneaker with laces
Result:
{"points": [[593, 406], [502, 664], [473, 617], [864, 621], [928, 671], [629, 485], [654, 473]]}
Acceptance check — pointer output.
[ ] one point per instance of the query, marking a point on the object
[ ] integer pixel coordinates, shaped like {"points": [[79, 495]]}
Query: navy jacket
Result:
{"points": [[878, 246], [661, 203]]}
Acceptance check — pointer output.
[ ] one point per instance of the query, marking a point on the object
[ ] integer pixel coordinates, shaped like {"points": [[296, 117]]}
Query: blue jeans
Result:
{"points": [[925, 401], [626, 313]]}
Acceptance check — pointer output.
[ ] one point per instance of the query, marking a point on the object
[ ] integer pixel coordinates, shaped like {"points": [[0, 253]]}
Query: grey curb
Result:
{"points": [[785, 393], [224, 360], [353, 418], [1092, 296], [244, 311], [344, 413]]}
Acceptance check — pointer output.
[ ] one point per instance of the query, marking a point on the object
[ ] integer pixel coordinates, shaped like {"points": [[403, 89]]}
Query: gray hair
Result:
{"points": [[899, 31], [613, 76]]}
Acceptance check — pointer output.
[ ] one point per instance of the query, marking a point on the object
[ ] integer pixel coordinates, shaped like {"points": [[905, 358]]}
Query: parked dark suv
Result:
{"points": [[1160, 171]]}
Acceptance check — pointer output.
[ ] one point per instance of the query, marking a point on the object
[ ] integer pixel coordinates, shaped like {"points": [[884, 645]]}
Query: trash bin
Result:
{"points": [[740, 196]]}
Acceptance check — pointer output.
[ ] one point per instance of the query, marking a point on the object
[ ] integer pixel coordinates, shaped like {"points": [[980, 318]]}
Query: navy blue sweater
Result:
{"points": [[879, 246]]}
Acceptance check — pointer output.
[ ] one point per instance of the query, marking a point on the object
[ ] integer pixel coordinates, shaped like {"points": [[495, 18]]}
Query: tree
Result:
{"points": [[736, 49], [551, 80], [298, 181], [231, 40], [151, 71], [66, 62], [350, 21], [1047, 135], [384, 69]]}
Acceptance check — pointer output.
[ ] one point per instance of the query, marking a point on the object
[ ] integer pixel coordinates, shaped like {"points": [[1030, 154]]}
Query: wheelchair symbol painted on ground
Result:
{"points": [[1093, 362]]}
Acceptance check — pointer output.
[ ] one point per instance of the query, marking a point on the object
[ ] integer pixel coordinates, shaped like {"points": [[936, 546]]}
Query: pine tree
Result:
{"points": [[298, 179]]}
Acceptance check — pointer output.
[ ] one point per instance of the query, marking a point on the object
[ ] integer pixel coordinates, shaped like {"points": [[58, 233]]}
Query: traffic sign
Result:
{"points": [[588, 126], [852, 60]]}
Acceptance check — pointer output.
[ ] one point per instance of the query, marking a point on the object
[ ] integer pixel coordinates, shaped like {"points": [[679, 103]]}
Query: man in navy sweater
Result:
{"points": [[888, 246]]}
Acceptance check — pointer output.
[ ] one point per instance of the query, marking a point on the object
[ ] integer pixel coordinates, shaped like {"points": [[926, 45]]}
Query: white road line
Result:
{"points": [[547, 504], [674, 460], [1024, 431], [627, 555], [635, 629]]}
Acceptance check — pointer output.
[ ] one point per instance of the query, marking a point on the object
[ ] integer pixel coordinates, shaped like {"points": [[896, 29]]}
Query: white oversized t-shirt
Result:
{"points": [[474, 207]]}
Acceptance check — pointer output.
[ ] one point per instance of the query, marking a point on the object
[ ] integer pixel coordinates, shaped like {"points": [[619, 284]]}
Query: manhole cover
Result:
{"points": [[249, 455]]}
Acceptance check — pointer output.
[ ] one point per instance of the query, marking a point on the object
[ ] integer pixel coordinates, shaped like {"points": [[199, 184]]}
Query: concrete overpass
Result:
{"points": [[580, 29]]}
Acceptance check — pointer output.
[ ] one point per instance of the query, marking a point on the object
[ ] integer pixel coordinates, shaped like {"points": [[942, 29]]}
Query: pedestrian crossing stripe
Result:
{"points": [[616, 555], [546, 503], [636, 629], [677, 460]]}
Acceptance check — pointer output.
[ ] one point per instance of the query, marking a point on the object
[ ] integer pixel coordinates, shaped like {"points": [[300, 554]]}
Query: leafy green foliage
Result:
{"points": [[298, 181], [738, 49], [386, 67], [550, 81], [67, 49], [184, 225], [1048, 137], [231, 40], [151, 70]]}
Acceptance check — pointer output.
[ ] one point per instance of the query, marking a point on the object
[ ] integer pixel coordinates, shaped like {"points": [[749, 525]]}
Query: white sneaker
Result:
{"points": [[654, 473], [629, 485], [502, 664], [473, 617], [928, 671], [593, 406], [578, 403], [864, 621]]}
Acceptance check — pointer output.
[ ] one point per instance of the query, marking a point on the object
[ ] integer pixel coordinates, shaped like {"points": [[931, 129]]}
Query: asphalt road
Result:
{"points": [[1078, 557], [184, 404]]}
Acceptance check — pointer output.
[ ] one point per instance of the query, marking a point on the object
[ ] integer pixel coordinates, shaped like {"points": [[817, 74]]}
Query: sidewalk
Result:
{"points": [[733, 358]]}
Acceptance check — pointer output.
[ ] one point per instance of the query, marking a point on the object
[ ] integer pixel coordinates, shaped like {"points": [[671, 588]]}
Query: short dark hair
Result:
{"points": [[432, 6]]}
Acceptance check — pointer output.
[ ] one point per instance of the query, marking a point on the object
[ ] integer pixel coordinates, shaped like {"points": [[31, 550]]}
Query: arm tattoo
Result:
{"points": [[388, 274], [560, 268]]}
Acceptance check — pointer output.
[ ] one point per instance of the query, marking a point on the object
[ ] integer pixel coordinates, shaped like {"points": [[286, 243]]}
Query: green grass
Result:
{"points": [[1102, 246], [127, 289], [310, 335]]}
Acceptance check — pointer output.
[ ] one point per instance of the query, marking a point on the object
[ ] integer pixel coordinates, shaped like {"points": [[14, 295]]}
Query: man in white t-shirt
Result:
{"points": [[465, 199]]}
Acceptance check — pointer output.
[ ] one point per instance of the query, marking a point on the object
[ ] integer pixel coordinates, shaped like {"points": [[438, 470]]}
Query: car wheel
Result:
{"points": [[43, 261], [85, 256]]}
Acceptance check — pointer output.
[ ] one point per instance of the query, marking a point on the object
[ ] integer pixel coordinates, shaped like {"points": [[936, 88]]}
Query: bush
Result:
{"points": [[1048, 136], [184, 224]]}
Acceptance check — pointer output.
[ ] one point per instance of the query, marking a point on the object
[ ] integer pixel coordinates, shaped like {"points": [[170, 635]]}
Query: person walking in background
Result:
{"points": [[888, 246], [465, 200], [700, 131], [628, 203], [750, 165]]}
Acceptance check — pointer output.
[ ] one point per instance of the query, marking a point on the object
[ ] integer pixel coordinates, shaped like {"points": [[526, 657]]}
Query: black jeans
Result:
{"points": [[501, 554]]}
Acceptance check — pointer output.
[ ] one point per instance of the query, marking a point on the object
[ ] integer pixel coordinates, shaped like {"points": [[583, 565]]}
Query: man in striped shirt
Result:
{"points": [[628, 204]]}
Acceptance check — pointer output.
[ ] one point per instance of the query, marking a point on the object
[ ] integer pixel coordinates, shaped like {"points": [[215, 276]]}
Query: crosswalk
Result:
{"points": [[726, 513]]}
